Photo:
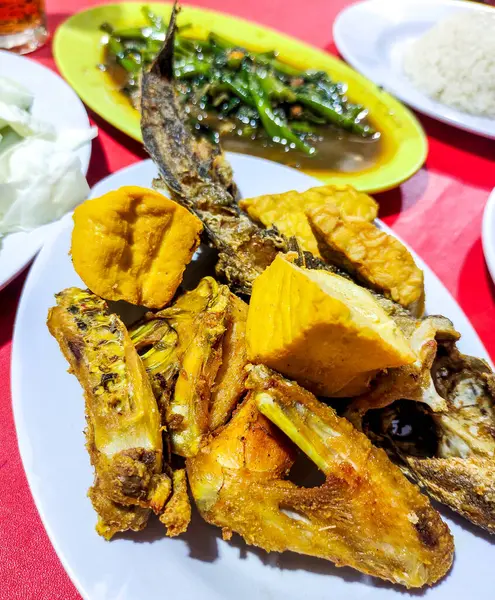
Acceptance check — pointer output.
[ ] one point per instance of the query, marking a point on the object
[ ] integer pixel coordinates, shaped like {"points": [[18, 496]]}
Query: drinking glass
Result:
{"points": [[22, 25]]}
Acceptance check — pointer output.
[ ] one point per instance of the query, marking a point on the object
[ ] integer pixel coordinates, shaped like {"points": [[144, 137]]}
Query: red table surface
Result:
{"points": [[438, 211]]}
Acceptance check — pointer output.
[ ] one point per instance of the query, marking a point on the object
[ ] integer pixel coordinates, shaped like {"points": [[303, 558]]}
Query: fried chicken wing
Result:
{"points": [[123, 422], [365, 515]]}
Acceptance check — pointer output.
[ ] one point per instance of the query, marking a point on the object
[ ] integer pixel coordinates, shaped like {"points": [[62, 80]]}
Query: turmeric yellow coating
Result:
{"points": [[287, 211], [133, 244], [374, 256], [319, 328]]}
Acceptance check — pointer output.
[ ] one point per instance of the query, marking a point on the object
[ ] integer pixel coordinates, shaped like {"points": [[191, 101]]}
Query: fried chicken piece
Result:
{"points": [[229, 384], [158, 345], [366, 514], [177, 514], [373, 256], [123, 422], [188, 411], [451, 452], [182, 351]]}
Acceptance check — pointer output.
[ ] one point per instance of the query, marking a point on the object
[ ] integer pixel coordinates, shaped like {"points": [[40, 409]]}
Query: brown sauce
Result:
{"points": [[337, 150]]}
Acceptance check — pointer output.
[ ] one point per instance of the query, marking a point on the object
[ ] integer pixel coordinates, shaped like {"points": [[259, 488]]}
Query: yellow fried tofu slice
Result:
{"points": [[319, 328], [373, 256], [366, 514], [229, 383], [133, 244], [287, 211]]}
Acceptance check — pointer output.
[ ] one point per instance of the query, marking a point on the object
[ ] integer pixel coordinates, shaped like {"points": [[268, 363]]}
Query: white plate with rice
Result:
{"points": [[437, 56]]}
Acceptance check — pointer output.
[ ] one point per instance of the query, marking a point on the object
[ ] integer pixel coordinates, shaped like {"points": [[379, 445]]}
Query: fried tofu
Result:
{"points": [[133, 244], [319, 328]]}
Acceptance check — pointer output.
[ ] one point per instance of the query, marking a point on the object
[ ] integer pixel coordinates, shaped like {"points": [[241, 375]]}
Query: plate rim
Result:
{"points": [[488, 233], [435, 113], [84, 154], [16, 378], [372, 181]]}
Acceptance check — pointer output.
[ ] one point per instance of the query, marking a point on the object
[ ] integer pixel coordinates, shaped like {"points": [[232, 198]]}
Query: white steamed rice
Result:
{"points": [[454, 62]]}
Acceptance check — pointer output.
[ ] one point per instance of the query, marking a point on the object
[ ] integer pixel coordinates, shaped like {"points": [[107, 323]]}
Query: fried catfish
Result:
{"points": [[123, 434], [366, 514]]}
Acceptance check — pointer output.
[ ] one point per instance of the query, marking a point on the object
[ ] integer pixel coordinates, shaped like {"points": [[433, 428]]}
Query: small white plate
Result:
{"points": [[488, 233], [373, 35], [49, 415], [54, 102]]}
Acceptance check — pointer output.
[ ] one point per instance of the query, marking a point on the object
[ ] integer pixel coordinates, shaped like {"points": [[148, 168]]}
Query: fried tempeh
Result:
{"points": [[123, 432], [374, 257], [287, 211], [366, 514]]}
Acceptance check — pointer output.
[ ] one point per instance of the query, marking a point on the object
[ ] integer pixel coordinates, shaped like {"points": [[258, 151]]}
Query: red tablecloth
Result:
{"points": [[438, 212]]}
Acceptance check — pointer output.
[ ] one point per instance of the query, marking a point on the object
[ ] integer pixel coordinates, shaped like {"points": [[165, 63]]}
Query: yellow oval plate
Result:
{"points": [[77, 49]]}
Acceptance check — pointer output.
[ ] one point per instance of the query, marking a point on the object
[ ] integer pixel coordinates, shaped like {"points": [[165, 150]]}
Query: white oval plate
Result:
{"points": [[57, 103], [488, 233], [49, 416], [373, 35]]}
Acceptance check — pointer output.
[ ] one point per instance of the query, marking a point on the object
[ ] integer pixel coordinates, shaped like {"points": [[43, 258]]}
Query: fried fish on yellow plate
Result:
{"points": [[366, 514]]}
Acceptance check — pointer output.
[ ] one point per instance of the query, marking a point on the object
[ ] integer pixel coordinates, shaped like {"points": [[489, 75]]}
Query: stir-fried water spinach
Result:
{"points": [[227, 89]]}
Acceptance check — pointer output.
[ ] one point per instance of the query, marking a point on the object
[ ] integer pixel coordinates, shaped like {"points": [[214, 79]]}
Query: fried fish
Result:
{"points": [[449, 451]]}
